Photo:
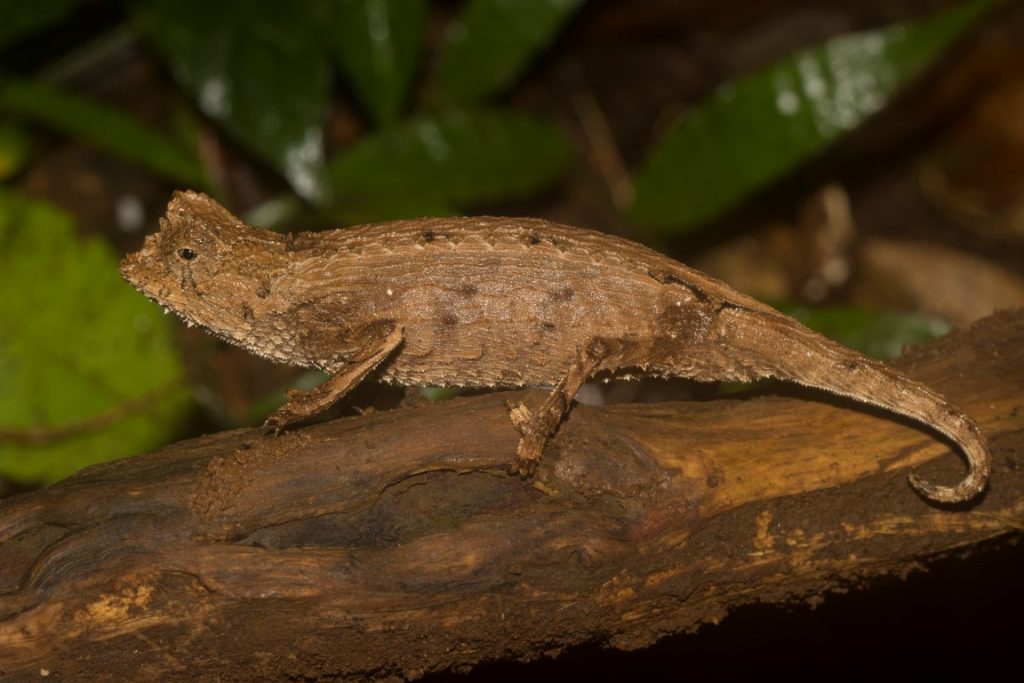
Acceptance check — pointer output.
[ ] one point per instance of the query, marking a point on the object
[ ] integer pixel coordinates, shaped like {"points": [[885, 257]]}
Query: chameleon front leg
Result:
{"points": [[303, 404], [537, 428]]}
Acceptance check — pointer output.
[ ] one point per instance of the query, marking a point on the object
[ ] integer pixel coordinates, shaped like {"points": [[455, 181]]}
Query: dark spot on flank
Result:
{"points": [[294, 241], [547, 326], [597, 348], [264, 290], [468, 289], [685, 324], [850, 364], [531, 239], [563, 293], [247, 313], [448, 318], [429, 236]]}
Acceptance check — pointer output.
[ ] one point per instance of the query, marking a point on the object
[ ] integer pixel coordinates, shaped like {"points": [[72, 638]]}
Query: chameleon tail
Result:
{"points": [[805, 357]]}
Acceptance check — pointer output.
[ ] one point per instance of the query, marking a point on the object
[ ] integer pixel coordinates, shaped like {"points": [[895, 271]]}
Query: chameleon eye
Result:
{"points": [[186, 254]]}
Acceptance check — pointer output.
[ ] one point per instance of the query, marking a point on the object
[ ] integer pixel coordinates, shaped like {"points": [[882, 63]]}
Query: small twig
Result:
{"points": [[601, 141]]}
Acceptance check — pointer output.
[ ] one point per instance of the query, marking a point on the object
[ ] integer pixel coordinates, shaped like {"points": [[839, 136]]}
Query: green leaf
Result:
{"points": [[378, 46], [257, 68], [103, 127], [19, 20], [452, 159], [490, 45], [754, 130], [88, 370], [14, 149], [880, 334]]}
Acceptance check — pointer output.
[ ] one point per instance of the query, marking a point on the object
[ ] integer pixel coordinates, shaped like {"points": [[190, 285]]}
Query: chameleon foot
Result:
{"points": [[531, 443], [519, 414], [295, 410]]}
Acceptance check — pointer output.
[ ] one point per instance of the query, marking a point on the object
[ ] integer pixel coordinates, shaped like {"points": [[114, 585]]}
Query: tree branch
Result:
{"points": [[396, 543]]}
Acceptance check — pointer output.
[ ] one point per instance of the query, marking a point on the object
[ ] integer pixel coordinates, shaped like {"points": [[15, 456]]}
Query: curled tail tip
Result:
{"points": [[970, 487], [979, 467]]}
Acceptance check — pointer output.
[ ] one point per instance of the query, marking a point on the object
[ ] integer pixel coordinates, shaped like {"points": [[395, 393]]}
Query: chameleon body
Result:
{"points": [[499, 302]]}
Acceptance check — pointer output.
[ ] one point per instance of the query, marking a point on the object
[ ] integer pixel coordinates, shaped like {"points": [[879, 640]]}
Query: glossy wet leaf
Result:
{"points": [[103, 127], [490, 44], [88, 370], [378, 45], [20, 20], [752, 131], [450, 160], [880, 334], [257, 68]]}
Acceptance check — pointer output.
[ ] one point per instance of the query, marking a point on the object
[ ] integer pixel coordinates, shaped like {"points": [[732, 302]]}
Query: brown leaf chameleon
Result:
{"points": [[498, 302]]}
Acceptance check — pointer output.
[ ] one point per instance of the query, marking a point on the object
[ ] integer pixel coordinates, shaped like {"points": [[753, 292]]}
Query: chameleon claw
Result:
{"points": [[524, 469], [271, 427], [520, 415], [528, 454], [529, 450], [279, 420]]}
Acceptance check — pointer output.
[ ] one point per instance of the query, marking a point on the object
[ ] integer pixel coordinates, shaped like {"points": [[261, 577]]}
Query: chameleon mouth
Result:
{"points": [[127, 268], [160, 301], [130, 269], [137, 267], [148, 253]]}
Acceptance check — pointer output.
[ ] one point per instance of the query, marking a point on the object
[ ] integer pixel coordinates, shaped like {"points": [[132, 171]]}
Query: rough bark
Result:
{"points": [[396, 543]]}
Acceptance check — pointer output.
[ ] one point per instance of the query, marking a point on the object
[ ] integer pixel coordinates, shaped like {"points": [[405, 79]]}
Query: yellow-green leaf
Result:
{"points": [[88, 369]]}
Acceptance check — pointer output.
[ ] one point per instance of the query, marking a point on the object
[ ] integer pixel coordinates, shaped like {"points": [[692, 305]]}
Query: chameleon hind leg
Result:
{"points": [[537, 427]]}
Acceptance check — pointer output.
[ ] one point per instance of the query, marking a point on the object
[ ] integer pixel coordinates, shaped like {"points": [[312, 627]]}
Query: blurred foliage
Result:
{"points": [[754, 130], [253, 67], [489, 45], [435, 163], [262, 71], [88, 368], [377, 43], [104, 128], [437, 138], [15, 144], [19, 20], [879, 334]]}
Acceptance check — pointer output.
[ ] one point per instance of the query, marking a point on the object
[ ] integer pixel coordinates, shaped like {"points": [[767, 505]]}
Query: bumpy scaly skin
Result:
{"points": [[498, 302]]}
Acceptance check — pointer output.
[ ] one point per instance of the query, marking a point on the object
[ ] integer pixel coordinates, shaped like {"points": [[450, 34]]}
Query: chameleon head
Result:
{"points": [[201, 264]]}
